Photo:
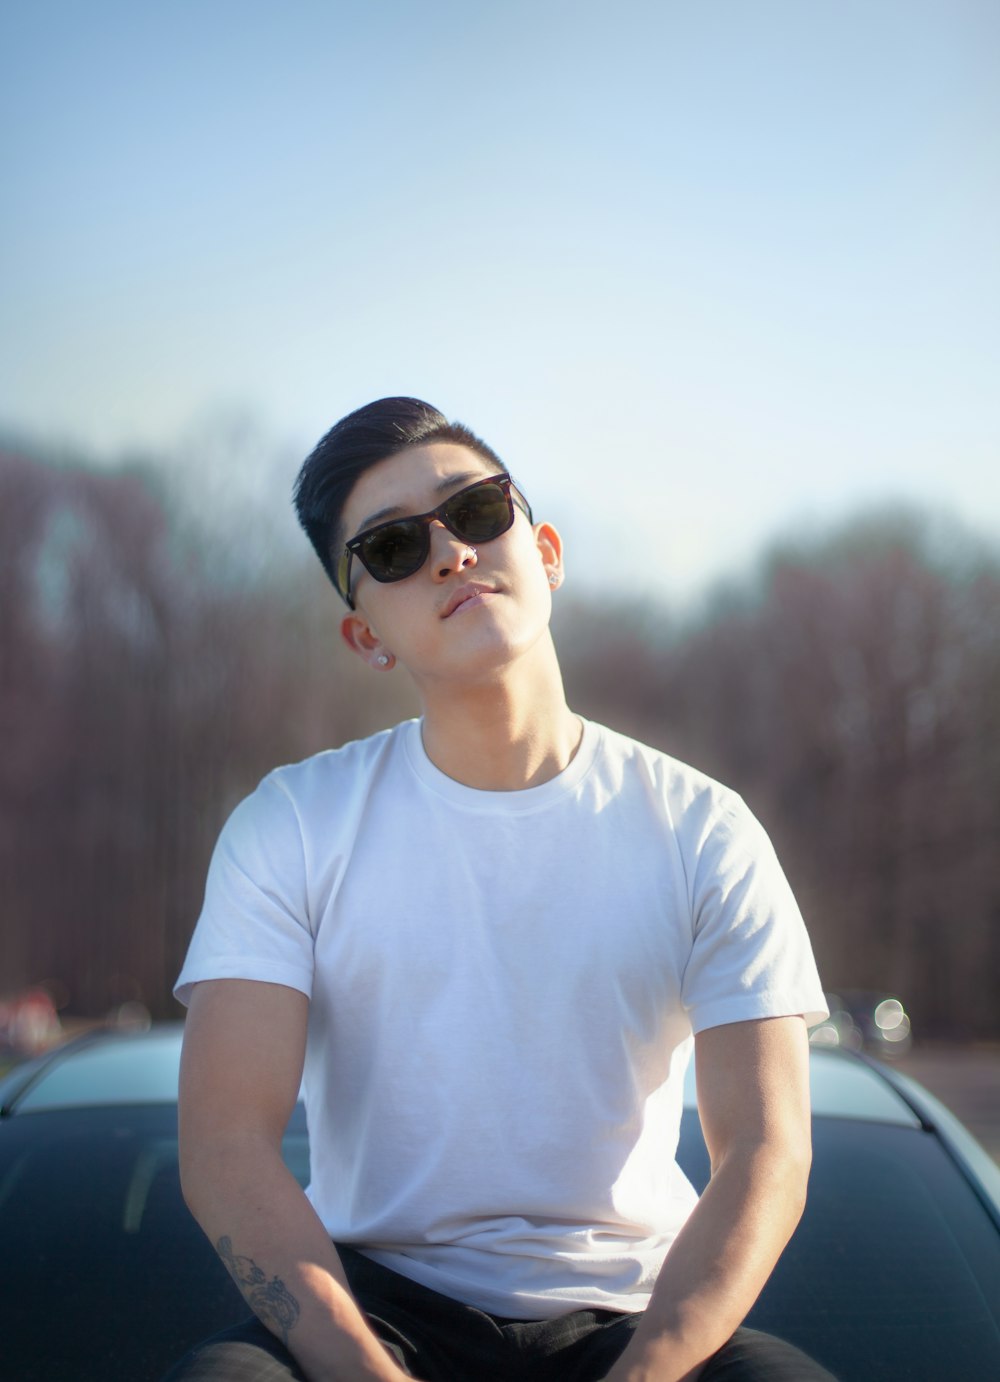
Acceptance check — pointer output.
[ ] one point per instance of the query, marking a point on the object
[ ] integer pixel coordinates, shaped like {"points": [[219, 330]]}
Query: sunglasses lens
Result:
{"points": [[395, 551], [479, 514]]}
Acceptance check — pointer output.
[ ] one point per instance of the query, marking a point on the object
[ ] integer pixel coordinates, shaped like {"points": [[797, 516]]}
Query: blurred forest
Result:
{"points": [[848, 687]]}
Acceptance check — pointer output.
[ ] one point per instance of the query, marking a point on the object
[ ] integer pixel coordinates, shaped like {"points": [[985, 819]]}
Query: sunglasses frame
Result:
{"points": [[502, 479]]}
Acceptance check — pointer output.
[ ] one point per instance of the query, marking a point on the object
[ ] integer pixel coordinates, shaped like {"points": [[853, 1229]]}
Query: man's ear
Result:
{"points": [[550, 549], [362, 639]]}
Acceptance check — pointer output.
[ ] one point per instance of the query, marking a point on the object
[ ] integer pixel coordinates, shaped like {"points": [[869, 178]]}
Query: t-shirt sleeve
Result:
{"points": [[751, 955], [254, 923]]}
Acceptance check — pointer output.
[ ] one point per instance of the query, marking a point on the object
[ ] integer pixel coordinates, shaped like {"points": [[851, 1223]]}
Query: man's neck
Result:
{"points": [[505, 735]]}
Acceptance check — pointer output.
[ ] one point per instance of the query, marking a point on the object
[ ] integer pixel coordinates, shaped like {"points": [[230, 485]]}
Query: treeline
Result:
{"points": [[851, 693], [148, 680], [850, 690]]}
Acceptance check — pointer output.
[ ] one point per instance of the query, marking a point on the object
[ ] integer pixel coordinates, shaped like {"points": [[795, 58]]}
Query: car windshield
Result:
{"points": [[841, 1088], [143, 1070], [108, 1072]]}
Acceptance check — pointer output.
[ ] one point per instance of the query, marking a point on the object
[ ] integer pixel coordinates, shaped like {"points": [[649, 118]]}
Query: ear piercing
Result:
{"points": [[383, 659], [553, 579]]}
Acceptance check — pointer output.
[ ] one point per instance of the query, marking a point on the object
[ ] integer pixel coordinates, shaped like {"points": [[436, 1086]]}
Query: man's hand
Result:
{"points": [[753, 1100], [244, 1046]]}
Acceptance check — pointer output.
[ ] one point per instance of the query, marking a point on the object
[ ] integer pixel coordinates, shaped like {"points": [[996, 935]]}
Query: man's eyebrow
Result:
{"points": [[447, 482]]}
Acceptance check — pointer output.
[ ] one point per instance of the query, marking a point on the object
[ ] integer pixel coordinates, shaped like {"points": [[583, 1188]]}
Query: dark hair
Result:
{"points": [[352, 446]]}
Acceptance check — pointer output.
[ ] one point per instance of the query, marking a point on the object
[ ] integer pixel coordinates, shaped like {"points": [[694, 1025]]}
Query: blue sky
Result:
{"points": [[699, 271]]}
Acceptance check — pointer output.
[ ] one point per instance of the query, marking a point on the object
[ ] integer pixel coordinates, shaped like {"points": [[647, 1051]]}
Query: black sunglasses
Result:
{"points": [[394, 550]]}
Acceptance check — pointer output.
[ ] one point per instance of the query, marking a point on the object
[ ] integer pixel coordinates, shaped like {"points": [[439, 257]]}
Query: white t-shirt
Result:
{"points": [[504, 987]]}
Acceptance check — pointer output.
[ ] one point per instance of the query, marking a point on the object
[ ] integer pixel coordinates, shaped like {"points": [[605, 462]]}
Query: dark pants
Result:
{"points": [[437, 1339]]}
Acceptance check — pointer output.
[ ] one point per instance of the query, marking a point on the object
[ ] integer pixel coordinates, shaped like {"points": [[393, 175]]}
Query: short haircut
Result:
{"points": [[352, 446]]}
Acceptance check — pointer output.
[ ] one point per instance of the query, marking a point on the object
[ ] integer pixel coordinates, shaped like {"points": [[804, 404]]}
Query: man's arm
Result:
{"points": [[244, 1045], [753, 1099]]}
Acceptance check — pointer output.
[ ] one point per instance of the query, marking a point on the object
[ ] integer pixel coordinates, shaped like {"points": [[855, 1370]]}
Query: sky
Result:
{"points": [[702, 272]]}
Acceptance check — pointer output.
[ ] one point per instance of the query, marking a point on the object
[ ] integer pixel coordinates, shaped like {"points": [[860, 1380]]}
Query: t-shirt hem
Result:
{"points": [[242, 968], [729, 1010], [523, 1305]]}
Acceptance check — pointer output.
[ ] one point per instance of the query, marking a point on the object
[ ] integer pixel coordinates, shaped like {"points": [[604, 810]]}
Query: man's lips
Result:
{"points": [[463, 595]]}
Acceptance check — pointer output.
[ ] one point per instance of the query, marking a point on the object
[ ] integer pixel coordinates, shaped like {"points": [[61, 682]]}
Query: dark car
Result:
{"points": [[893, 1273]]}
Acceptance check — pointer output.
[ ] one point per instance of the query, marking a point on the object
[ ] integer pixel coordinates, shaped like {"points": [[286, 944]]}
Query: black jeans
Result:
{"points": [[437, 1339]]}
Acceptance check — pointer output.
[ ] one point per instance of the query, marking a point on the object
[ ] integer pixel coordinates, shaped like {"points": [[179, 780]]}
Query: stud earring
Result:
{"points": [[383, 659], [553, 579]]}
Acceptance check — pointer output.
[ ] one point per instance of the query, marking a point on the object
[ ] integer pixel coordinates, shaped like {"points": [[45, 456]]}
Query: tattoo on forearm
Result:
{"points": [[271, 1301]]}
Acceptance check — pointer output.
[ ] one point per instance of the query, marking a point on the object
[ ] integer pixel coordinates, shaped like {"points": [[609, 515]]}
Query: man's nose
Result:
{"points": [[449, 553]]}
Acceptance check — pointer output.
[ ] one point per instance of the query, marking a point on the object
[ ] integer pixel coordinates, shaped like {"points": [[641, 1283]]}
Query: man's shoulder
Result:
{"points": [[348, 758], [673, 776], [324, 782]]}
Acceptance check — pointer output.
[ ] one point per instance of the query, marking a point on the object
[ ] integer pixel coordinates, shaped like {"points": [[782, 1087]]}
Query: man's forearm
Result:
{"points": [[717, 1266], [280, 1256]]}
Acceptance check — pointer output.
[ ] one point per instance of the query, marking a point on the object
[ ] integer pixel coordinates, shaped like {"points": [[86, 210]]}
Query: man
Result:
{"points": [[487, 937]]}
